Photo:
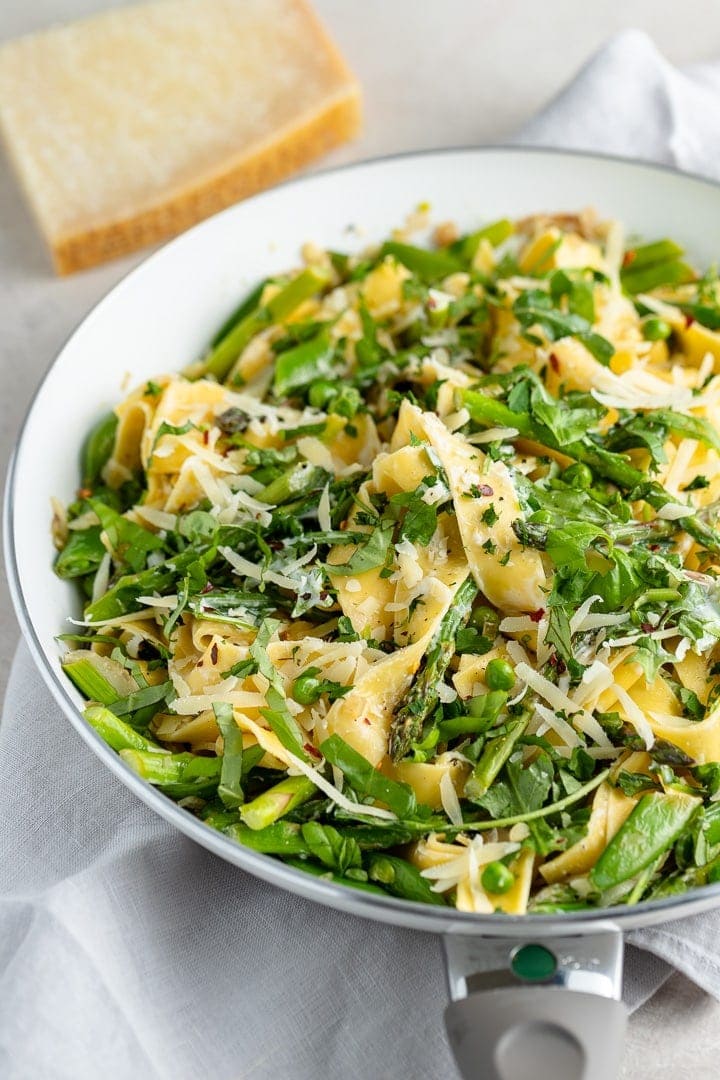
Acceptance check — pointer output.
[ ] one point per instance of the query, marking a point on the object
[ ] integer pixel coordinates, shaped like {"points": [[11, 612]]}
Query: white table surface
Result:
{"points": [[434, 74]]}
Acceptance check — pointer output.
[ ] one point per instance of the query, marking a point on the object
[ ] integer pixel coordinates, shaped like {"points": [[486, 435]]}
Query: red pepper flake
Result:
{"points": [[214, 653], [431, 303], [206, 437], [554, 362], [312, 750], [558, 663], [485, 489], [366, 720], [654, 547], [689, 320], [646, 627], [629, 257], [207, 587], [536, 616], [84, 493]]}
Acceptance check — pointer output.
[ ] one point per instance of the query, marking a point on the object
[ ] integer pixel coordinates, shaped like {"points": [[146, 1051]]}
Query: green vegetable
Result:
{"points": [[336, 851], [281, 838], [297, 481], [430, 266], [321, 393], [179, 775], [367, 781], [653, 826], [98, 448], [225, 352], [499, 675], [277, 801], [495, 233], [321, 871], [82, 553], [578, 476], [90, 682], [423, 694], [496, 753], [296, 368], [655, 329], [497, 878], [117, 733], [402, 879], [230, 787], [307, 688], [650, 265], [277, 713]]}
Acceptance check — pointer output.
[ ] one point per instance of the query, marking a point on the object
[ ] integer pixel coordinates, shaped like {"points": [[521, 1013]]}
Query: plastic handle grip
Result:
{"points": [[536, 1033]]}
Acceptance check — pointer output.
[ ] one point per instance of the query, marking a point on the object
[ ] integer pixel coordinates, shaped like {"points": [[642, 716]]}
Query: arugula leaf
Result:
{"points": [[171, 429], [370, 556], [568, 546], [531, 784], [633, 783], [534, 307], [558, 636]]}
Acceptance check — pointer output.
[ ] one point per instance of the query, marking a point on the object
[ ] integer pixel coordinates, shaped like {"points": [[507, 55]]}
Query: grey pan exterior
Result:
{"points": [[384, 909]]}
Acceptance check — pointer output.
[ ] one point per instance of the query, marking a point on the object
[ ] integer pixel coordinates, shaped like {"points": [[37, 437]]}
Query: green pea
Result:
{"points": [[307, 688], [578, 476], [496, 878], [499, 675], [485, 619], [321, 393], [655, 329]]}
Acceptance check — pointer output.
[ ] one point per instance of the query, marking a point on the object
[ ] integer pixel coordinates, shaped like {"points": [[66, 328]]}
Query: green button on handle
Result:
{"points": [[533, 963]]}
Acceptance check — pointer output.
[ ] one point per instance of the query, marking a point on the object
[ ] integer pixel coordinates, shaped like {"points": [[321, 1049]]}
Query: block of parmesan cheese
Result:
{"points": [[130, 126]]}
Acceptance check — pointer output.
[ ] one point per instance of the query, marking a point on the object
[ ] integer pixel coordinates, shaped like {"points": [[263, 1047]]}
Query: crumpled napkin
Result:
{"points": [[128, 951], [629, 100]]}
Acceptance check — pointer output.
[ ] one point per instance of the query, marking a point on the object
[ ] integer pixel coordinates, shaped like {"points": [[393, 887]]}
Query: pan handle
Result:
{"points": [[522, 1009]]}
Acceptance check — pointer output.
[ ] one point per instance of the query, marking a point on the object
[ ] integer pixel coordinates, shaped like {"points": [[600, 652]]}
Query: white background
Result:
{"points": [[442, 73]]}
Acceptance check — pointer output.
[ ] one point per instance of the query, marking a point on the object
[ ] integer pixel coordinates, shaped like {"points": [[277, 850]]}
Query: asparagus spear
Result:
{"points": [[402, 879], [89, 681], [179, 775], [297, 367], [337, 879], [281, 838], [119, 735], [428, 265], [494, 755], [277, 801], [224, 354], [495, 233], [422, 697], [299, 479]]}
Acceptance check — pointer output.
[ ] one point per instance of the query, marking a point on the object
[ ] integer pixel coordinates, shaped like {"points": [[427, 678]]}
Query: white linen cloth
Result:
{"points": [[127, 952]]}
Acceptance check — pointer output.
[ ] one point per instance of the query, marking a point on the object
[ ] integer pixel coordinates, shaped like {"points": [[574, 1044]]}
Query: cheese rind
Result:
{"points": [[132, 125]]}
